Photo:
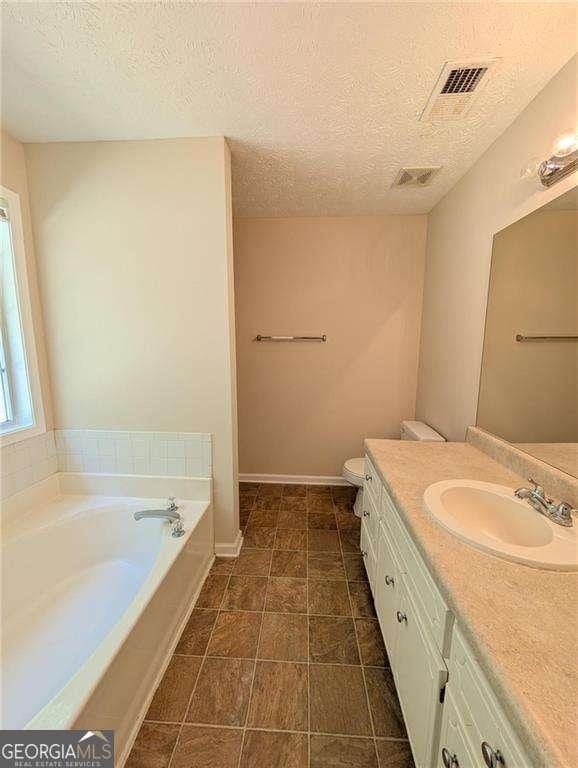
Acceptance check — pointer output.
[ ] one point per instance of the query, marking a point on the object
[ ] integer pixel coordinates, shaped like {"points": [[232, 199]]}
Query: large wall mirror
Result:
{"points": [[529, 379]]}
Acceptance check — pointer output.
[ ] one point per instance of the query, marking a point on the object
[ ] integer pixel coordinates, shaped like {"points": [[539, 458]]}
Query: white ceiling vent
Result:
{"points": [[457, 86], [415, 177]]}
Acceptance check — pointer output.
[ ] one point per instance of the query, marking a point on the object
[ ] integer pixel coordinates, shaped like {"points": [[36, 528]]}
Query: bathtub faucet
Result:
{"points": [[170, 514]]}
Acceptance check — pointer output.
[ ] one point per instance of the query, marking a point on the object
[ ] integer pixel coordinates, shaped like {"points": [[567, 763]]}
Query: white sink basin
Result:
{"points": [[491, 518]]}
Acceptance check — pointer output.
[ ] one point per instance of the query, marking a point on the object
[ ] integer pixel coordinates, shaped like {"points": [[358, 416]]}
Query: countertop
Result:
{"points": [[521, 622]]}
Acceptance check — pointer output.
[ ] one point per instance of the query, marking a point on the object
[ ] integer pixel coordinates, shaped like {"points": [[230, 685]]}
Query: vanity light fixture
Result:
{"points": [[563, 161]]}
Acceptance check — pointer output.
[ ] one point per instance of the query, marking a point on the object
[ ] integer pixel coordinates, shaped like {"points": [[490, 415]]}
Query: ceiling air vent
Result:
{"points": [[415, 177], [457, 86]]}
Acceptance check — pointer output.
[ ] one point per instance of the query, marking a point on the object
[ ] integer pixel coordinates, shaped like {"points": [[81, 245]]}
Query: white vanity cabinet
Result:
{"points": [[452, 717]]}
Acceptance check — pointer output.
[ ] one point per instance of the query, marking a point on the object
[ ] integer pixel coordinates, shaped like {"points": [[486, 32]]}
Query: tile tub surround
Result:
{"points": [[264, 676], [27, 462], [519, 621], [167, 454], [557, 483]]}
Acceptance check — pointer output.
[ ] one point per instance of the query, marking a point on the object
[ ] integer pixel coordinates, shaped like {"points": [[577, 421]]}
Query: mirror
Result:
{"points": [[529, 378]]}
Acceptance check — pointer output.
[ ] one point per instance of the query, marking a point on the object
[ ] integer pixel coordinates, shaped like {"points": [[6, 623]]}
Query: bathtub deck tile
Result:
{"points": [[172, 696]]}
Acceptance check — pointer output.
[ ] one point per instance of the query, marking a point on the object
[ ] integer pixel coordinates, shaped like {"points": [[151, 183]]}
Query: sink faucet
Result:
{"points": [[170, 514], [558, 513]]}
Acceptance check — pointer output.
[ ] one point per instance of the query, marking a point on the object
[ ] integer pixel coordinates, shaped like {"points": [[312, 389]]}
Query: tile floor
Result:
{"points": [[281, 664]]}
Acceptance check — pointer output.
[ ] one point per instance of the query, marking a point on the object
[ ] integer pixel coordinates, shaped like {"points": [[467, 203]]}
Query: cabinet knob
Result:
{"points": [[369, 478], [363, 553], [449, 760], [366, 513], [401, 617], [390, 581], [492, 758]]}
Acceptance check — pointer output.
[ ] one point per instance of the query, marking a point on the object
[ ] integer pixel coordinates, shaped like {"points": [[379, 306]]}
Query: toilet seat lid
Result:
{"points": [[355, 467]]}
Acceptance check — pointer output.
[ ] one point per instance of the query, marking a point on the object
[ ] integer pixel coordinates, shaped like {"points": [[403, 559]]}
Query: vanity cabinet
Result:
{"points": [[450, 711]]}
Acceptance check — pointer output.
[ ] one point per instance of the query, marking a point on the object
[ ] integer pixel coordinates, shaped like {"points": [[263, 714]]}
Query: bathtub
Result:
{"points": [[93, 604]]}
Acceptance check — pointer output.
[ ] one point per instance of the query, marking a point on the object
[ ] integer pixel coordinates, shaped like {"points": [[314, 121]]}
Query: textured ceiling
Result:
{"points": [[320, 101]]}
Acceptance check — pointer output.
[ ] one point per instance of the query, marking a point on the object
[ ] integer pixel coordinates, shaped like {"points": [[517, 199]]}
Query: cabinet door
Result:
{"points": [[387, 585], [368, 553], [453, 739], [420, 674]]}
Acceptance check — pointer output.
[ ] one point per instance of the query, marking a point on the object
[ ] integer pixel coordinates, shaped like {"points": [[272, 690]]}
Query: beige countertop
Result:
{"points": [[521, 622]]}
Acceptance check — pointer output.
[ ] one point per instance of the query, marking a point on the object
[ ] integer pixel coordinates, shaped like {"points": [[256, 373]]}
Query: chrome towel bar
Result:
{"points": [[521, 337], [259, 337]]}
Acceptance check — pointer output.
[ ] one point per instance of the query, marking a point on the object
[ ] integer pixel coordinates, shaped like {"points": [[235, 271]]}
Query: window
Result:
{"points": [[21, 413]]}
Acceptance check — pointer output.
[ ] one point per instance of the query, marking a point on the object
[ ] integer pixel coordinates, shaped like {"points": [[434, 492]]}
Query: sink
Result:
{"points": [[489, 517]]}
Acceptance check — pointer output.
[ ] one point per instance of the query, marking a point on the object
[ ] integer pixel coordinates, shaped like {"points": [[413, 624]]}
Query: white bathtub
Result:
{"points": [[93, 602]]}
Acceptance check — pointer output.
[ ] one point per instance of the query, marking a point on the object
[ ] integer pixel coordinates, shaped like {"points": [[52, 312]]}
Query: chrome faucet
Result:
{"points": [[170, 514], [558, 513]]}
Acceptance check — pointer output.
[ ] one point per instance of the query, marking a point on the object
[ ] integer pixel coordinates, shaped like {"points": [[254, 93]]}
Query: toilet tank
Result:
{"points": [[417, 430]]}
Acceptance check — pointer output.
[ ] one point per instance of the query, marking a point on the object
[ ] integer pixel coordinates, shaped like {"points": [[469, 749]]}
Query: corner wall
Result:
{"points": [[460, 231], [135, 267]]}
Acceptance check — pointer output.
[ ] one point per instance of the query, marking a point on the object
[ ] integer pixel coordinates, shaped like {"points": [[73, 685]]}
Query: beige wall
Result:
{"points": [[460, 231], [529, 391], [134, 255], [13, 176], [305, 407]]}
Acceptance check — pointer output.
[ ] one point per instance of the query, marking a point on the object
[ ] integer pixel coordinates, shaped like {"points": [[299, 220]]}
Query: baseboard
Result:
{"points": [[293, 479], [226, 549]]}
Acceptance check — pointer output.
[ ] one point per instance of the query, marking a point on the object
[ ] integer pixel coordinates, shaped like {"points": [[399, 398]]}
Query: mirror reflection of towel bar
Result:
{"points": [[259, 337], [521, 337]]}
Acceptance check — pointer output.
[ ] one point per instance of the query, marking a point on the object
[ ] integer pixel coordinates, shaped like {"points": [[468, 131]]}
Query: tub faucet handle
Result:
{"points": [[172, 504]]}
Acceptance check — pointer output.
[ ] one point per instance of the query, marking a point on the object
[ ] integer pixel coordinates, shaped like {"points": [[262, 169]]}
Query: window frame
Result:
{"points": [[38, 426]]}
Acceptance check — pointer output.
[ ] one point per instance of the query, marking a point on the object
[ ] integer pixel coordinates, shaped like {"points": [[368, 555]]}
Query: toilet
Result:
{"points": [[354, 469]]}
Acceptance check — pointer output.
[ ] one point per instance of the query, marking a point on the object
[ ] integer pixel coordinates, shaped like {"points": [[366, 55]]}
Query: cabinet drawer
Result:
{"points": [[435, 613], [369, 554], [453, 738], [482, 716], [387, 588], [372, 482], [370, 519]]}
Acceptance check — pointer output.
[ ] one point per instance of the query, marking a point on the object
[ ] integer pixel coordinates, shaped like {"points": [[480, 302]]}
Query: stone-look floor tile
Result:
{"points": [[279, 699], [270, 489], [361, 599], [200, 747], [349, 541], [246, 503], [212, 591], [253, 562], [321, 521], [371, 646], [325, 565], [248, 486], [355, 568], [394, 754], [323, 541], [259, 537], [320, 504], [319, 490], [343, 505], [245, 593], [283, 637], [287, 538], [266, 518], [328, 598], [153, 746], [338, 702], [295, 490], [172, 696], [223, 566], [236, 635], [293, 504], [289, 563], [264, 503], [265, 749], [344, 492], [347, 521], [287, 596], [293, 520], [332, 640], [222, 692], [342, 752], [385, 707], [243, 519], [196, 633]]}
